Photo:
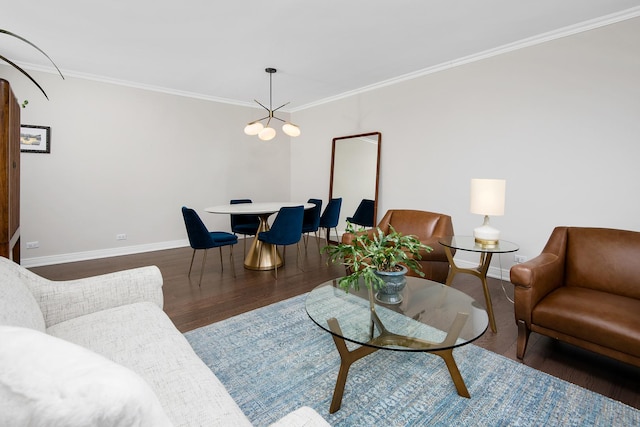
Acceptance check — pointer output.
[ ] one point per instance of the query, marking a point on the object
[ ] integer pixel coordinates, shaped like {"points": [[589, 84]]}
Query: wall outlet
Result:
{"points": [[33, 245], [121, 236], [519, 259]]}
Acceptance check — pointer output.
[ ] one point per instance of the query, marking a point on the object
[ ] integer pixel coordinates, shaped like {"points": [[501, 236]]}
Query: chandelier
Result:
{"points": [[267, 133]]}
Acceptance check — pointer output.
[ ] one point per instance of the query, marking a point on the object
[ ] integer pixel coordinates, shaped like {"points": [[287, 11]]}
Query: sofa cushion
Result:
{"points": [[45, 381], [141, 337], [603, 259], [18, 307], [598, 317]]}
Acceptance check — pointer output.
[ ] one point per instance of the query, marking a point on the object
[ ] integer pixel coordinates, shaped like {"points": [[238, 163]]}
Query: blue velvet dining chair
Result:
{"points": [[331, 216], [201, 238], [364, 213], [245, 224], [286, 230], [311, 221]]}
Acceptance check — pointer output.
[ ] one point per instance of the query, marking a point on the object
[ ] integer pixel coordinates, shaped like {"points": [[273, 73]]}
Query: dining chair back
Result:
{"points": [[311, 221], [364, 213], [201, 238], [245, 224], [331, 216], [286, 230]]}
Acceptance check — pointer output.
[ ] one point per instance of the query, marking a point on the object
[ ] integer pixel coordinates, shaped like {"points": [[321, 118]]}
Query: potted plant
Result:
{"points": [[379, 260], [17, 67]]}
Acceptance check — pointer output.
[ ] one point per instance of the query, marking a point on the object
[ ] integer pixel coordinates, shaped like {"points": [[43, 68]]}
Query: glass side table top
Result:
{"points": [[468, 243], [430, 317]]}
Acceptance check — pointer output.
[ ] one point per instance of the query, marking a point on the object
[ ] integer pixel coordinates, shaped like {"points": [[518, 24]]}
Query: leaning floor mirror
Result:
{"points": [[355, 167]]}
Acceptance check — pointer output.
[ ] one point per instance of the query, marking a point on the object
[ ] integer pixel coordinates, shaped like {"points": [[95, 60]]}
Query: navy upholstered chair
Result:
{"points": [[311, 221], [201, 238], [364, 214], [286, 230], [331, 216], [245, 224]]}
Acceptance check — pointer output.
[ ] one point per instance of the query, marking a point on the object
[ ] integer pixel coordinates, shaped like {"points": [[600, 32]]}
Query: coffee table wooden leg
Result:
{"points": [[447, 355], [346, 360]]}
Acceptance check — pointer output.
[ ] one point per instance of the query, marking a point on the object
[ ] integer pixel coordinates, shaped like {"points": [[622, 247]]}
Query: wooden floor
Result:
{"points": [[221, 296]]}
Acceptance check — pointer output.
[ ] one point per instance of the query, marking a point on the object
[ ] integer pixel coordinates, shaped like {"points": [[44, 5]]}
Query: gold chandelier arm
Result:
{"points": [[281, 106], [260, 104]]}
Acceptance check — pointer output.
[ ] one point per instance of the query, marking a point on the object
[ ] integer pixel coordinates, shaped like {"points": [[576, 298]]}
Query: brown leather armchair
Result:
{"points": [[426, 226], [584, 289]]}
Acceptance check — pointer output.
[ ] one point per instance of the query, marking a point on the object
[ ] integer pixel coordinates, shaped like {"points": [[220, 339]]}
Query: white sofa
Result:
{"points": [[101, 352]]}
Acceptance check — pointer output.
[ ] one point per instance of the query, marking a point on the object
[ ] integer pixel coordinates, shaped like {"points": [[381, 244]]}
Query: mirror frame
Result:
{"points": [[377, 179]]}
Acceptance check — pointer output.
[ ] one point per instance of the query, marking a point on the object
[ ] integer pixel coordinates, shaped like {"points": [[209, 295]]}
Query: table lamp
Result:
{"points": [[487, 198]]}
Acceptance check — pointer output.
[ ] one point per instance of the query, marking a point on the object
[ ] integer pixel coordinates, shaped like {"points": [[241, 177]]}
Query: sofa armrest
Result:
{"points": [[64, 300], [533, 280], [301, 417]]}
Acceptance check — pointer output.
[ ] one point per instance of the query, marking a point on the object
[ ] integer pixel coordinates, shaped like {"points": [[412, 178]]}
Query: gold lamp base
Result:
{"points": [[486, 235]]}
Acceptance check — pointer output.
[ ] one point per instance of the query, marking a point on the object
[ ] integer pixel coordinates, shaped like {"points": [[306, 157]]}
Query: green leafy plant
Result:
{"points": [[17, 67], [376, 251]]}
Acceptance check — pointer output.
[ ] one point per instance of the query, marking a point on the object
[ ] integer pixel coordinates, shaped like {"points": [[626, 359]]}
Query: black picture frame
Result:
{"points": [[35, 139]]}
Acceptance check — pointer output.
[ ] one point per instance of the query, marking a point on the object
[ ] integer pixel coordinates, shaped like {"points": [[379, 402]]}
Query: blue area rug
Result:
{"points": [[275, 359]]}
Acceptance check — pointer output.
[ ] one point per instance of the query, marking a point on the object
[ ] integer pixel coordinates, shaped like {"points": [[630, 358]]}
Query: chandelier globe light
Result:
{"points": [[266, 132]]}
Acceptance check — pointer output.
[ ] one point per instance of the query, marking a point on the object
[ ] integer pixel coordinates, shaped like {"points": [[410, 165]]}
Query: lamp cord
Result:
{"points": [[502, 281]]}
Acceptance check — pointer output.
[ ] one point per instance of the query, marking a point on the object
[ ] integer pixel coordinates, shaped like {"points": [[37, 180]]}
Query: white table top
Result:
{"points": [[255, 208]]}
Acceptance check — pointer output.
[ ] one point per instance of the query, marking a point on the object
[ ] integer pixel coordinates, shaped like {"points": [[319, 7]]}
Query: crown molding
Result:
{"points": [[521, 44]]}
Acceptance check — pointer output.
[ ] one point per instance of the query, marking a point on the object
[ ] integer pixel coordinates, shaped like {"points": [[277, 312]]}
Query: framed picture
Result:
{"points": [[35, 139]]}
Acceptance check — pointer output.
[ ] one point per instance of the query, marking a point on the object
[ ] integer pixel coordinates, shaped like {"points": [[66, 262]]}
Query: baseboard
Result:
{"points": [[102, 253], [494, 272]]}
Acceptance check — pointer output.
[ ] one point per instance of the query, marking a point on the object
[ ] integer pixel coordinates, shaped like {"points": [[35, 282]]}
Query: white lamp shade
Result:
{"points": [[267, 134], [487, 196], [253, 128], [291, 129]]}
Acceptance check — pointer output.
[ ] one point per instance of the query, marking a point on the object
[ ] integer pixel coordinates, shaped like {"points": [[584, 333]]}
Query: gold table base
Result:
{"points": [[261, 254], [481, 273]]}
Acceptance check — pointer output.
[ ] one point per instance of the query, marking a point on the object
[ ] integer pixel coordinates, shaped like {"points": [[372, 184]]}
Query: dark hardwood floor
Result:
{"points": [[222, 296]]}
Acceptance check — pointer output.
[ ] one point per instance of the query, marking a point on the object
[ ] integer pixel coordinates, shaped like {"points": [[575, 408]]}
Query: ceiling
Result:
{"points": [[322, 49]]}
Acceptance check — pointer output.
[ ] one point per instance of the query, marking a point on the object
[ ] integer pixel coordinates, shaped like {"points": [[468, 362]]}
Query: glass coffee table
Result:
{"points": [[431, 318]]}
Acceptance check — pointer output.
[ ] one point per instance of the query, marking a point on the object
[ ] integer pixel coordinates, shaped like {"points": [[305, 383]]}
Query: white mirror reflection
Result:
{"points": [[355, 164]]}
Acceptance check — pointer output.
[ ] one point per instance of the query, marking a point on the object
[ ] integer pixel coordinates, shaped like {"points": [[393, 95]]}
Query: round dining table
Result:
{"points": [[260, 255]]}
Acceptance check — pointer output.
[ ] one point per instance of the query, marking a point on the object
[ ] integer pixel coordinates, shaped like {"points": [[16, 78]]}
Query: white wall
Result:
{"points": [[560, 121], [124, 160]]}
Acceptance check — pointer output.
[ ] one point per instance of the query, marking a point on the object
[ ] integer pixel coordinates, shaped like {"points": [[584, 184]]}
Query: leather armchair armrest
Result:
{"points": [[533, 280]]}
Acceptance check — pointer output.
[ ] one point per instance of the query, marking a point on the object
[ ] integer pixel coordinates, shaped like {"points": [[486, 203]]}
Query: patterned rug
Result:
{"points": [[275, 359]]}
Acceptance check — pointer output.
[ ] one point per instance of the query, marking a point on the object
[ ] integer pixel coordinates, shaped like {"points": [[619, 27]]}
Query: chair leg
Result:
{"points": [[317, 240], [273, 256], [298, 256], [221, 263], [204, 258], [191, 265], [233, 267]]}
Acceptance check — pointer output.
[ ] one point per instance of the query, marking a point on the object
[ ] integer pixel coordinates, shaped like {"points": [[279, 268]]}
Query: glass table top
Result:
{"points": [[430, 317], [468, 243]]}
